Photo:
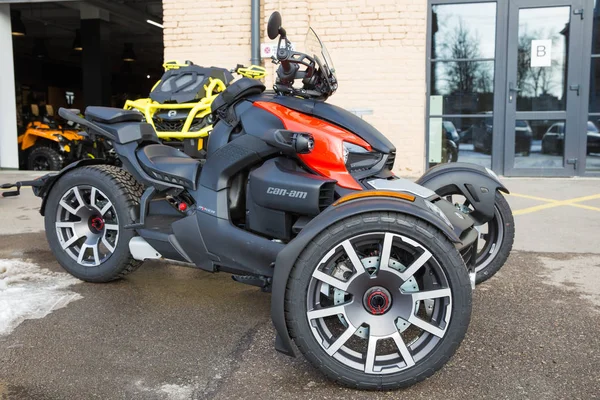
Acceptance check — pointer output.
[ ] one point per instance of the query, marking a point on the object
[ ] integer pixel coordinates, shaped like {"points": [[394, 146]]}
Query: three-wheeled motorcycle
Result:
{"points": [[371, 275]]}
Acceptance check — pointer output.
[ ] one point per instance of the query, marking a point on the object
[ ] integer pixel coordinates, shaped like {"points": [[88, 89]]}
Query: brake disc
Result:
{"points": [[371, 264]]}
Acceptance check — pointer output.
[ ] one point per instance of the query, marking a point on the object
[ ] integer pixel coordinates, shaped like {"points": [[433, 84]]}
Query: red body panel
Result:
{"points": [[327, 157]]}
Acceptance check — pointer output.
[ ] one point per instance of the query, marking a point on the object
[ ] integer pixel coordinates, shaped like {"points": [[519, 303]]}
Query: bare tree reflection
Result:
{"points": [[465, 82], [465, 76]]}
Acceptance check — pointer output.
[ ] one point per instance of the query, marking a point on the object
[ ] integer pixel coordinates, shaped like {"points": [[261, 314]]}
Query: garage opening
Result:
{"points": [[75, 54]]}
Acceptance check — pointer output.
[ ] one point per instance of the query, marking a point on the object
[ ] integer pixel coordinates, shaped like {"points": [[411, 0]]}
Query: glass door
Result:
{"points": [[543, 87]]}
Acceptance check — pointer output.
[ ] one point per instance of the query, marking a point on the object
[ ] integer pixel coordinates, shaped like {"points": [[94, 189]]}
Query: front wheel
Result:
{"points": [[379, 301], [86, 214]]}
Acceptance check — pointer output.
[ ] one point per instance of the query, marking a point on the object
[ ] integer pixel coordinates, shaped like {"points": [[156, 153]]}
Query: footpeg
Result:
{"points": [[12, 192], [263, 282]]}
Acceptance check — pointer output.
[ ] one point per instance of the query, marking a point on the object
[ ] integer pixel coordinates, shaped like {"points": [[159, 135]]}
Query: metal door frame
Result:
{"points": [[499, 78], [576, 104], [500, 147]]}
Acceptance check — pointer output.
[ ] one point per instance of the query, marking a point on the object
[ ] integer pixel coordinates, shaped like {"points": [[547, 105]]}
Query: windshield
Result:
{"points": [[592, 127], [315, 48]]}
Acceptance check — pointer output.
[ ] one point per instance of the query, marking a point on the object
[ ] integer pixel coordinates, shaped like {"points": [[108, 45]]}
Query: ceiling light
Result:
{"points": [[18, 27], [77, 41], [128, 54], [155, 23]]}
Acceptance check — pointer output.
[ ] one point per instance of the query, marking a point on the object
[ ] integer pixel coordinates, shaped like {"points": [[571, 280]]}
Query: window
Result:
{"points": [[592, 163], [461, 82]]}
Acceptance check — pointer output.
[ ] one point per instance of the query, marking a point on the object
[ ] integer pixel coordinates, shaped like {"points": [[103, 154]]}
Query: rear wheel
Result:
{"points": [[86, 213], [379, 301], [44, 158], [496, 237]]}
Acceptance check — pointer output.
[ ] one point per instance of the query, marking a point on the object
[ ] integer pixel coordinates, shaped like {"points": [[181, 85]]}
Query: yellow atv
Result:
{"points": [[45, 145], [179, 104]]}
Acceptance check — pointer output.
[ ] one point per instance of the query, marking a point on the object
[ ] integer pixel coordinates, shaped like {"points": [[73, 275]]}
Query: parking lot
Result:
{"points": [[170, 332]]}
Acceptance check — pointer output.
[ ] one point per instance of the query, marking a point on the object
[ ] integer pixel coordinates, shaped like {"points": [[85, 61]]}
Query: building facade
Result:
{"points": [[378, 48], [512, 84]]}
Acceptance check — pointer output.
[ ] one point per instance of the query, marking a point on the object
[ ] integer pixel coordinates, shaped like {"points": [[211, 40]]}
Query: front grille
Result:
{"points": [[389, 164], [162, 125], [168, 126]]}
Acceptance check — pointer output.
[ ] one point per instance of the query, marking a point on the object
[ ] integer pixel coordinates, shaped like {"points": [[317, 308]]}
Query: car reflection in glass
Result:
{"points": [[481, 133], [553, 141]]}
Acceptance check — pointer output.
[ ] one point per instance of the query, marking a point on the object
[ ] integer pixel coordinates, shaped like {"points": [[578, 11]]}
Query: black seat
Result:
{"points": [[168, 164], [109, 115]]}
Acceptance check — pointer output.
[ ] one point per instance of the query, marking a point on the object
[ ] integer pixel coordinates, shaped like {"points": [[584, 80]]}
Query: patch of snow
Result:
{"points": [[28, 291], [177, 392], [168, 391]]}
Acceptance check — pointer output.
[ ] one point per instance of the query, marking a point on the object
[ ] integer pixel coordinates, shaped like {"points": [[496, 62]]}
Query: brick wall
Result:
{"points": [[378, 48]]}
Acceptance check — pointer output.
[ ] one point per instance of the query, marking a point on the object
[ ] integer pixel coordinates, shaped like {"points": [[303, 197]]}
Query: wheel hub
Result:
{"points": [[377, 300], [372, 264], [96, 224]]}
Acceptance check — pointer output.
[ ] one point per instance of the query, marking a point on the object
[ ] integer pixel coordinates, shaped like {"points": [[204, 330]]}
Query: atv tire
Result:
{"points": [[44, 158], [311, 332], [86, 214]]}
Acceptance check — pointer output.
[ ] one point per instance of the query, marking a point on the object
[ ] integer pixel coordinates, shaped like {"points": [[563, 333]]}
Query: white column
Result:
{"points": [[9, 156]]}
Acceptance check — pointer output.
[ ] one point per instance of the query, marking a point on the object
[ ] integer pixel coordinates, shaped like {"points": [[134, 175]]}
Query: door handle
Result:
{"points": [[512, 89]]}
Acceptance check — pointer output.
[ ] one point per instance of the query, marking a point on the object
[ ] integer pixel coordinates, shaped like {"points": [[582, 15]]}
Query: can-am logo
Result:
{"points": [[296, 194], [172, 113]]}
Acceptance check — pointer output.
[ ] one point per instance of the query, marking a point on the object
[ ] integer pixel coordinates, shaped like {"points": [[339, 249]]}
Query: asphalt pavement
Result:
{"points": [[171, 332]]}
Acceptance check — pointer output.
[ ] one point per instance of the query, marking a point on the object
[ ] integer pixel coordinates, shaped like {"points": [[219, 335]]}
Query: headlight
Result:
{"points": [[358, 158], [437, 211]]}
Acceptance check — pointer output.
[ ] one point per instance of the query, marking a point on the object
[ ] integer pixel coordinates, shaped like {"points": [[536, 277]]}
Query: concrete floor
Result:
{"points": [[169, 332]]}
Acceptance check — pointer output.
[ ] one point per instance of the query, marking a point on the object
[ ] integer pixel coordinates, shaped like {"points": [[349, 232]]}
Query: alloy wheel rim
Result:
{"points": [[491, 234], [415, 300], [492, 239], [87, 225]]}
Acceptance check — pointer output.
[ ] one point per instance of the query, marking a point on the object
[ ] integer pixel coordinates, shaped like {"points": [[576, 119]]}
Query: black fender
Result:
{"points": [[287, 257], [478, 184], [46, 182]]}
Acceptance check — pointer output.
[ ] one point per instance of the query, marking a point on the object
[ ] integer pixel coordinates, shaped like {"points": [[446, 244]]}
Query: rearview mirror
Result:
{"points": [[274, 25]]}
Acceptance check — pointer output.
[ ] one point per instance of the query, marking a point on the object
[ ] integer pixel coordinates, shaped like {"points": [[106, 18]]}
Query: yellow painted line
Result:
{"points": [[535, 208], [557, 203], [585, 206], [526, 196]]}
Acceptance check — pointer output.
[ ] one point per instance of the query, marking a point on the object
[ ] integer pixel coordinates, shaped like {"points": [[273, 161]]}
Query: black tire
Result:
{"points": [[502, 211], [44, 158], [124, 192], [447, 257]]}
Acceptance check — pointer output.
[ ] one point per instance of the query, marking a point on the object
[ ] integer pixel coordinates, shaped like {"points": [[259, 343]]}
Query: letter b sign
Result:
{"points": [[541, 53]]}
